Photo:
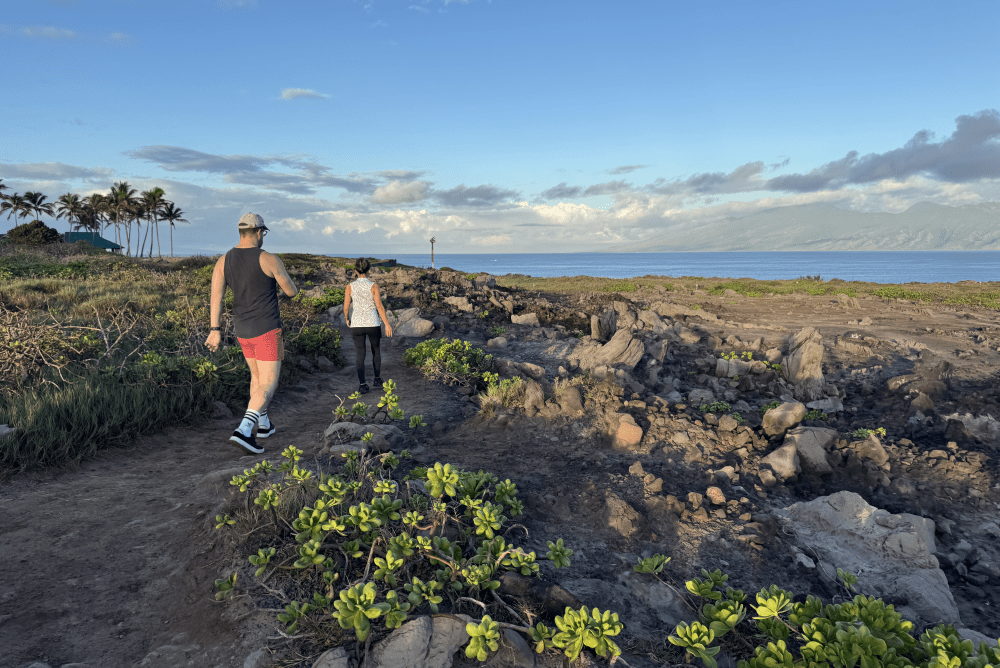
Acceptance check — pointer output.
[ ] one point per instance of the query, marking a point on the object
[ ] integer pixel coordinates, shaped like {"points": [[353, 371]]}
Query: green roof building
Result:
{"points": [[92, 238]]}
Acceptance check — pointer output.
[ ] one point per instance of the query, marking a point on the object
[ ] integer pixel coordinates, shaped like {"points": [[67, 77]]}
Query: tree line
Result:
{"points": [[122, 207]]}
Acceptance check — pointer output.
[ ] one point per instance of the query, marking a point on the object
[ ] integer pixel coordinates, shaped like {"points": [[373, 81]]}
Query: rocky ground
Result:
{"points": [[630, 467]]}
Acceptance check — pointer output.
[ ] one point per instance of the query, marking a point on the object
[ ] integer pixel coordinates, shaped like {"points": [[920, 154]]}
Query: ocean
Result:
{"points": [[869, 266]]}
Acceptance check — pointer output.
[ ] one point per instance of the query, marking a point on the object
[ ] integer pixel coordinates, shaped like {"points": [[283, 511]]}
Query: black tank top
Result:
{"points": [[255, 294]]}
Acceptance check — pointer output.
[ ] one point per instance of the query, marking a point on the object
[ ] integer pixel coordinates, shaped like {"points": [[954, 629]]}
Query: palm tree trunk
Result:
{"points": [[142, 249], [156, 225], [171, 239]]}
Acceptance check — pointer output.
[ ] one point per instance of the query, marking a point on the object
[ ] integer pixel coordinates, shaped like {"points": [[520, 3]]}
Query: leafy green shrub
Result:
{"points": [[315, 340], [816, 414], [715, 407], [331, 297], [863, 631], [455, 362], [743, 288], [865, 433], [360, 558], [505, 393], [620, 286], [899, 292], [35, 233], [768, 406]]}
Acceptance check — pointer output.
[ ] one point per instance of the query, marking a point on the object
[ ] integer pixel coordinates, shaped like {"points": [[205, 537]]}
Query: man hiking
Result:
{"points": [[254, 276]]}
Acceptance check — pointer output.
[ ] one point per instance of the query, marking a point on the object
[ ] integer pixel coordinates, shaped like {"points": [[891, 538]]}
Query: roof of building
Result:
{"points": [[91, 237]]}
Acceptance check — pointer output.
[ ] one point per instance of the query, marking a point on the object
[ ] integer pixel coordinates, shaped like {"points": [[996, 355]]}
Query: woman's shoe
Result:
{"points": [[364, 389], [377, 382]]}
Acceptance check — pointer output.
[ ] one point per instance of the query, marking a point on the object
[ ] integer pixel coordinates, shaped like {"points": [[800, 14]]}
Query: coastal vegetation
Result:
{"points": [[97, 349], [121, 208]]}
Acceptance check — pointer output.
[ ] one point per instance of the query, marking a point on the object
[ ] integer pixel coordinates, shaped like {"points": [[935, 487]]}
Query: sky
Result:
{"points": [[498, 126]]}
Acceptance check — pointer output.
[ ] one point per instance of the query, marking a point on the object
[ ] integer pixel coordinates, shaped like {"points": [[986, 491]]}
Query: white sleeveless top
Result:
{"points": [[363, 311]]}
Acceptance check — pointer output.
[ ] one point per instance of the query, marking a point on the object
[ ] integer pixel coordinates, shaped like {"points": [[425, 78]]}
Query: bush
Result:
{"points": [[455, 362], [35, 233], [862, 631], [315, 340], [331, 297], [620, 286], [355, 551]]}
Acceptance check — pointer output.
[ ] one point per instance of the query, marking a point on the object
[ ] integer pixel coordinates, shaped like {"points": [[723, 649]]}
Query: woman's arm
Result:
{"points": [[381, 309], [347, 303]]}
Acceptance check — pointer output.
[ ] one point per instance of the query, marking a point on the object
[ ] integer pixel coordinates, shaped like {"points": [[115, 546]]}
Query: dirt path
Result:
{"points": [[112, 563]]}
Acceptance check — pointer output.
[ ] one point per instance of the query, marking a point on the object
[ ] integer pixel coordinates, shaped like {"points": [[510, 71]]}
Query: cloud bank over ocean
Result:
{"points": [[316, 206]]}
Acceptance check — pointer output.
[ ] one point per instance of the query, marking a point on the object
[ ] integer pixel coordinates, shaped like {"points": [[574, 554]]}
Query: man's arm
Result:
{"points": [[275, 268], [215, 303]]}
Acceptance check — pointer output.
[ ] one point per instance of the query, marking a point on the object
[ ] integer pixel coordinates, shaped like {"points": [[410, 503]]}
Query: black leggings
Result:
{"points": [[374, 335]]}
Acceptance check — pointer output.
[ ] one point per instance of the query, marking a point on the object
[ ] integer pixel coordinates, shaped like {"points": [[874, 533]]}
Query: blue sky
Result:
{"points": [[502, 125]]}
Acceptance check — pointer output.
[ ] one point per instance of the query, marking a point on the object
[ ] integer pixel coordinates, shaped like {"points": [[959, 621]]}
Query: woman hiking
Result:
{"points": [[364, 321]]}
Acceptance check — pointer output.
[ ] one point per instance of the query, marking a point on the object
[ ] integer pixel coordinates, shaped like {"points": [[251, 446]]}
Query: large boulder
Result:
{"points": [[623, 349], [526, 319], [348, 432], [461, 303], [783, 462], [780, 419], [804, 364], [534, 398], [604, 326], [424, 642], [652, 321], [407, 322], [811, 444], [892, 555]]}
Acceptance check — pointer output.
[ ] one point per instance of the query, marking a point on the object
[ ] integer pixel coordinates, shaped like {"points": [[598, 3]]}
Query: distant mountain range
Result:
{"points": [[815, 227]]}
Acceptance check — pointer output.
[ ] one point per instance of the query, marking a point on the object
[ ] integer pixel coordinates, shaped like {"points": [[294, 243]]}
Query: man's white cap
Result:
{"points": [[251, 221]]}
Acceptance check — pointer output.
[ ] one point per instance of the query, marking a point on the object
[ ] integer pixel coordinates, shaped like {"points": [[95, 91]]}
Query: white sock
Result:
{"points": [[263, 420], [250, 419]]}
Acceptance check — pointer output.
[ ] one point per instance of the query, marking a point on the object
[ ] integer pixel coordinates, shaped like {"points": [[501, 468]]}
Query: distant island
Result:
{"points": [[817, 227]]}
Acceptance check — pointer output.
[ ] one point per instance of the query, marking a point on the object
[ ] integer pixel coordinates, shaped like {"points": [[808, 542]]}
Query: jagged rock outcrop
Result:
{"points": [[892, 555], [804, 364], [407, 322], [623, 349]]}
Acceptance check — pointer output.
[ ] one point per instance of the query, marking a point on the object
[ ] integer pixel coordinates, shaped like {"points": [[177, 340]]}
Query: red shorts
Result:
{"points": [[266, 347]]}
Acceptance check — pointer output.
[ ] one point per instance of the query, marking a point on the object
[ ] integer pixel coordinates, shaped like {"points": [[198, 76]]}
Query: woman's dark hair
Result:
{"points": [[362, 266]]}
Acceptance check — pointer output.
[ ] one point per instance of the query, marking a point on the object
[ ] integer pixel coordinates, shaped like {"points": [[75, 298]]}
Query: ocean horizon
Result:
{"points": [[867, 266]]}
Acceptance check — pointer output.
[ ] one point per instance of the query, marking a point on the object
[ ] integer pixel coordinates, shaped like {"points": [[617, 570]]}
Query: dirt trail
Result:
{"points": [[112, 563]]}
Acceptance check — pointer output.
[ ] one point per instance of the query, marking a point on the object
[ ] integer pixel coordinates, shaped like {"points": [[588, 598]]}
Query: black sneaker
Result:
{"points": [[248, 443], [264, 433], [364, 389], [377, 382]]}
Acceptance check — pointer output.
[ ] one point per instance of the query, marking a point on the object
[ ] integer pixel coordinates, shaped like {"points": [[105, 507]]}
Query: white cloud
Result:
{"points": [[400, 191], [237, 4], [48, 32], [379, 24], [120, 38], [301, 93]]}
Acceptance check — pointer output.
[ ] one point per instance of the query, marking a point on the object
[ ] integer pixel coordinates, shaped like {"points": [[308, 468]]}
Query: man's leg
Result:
{"points": [[267, 384], [254, 382], [245, 433]]}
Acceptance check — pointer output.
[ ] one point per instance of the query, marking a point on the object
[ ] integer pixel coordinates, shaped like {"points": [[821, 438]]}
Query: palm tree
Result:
{"points": [[15, 205], [70, 206], [95, 210], [2, 188], [119, 199], [172, 215], [36, 202], [154, 201]]}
